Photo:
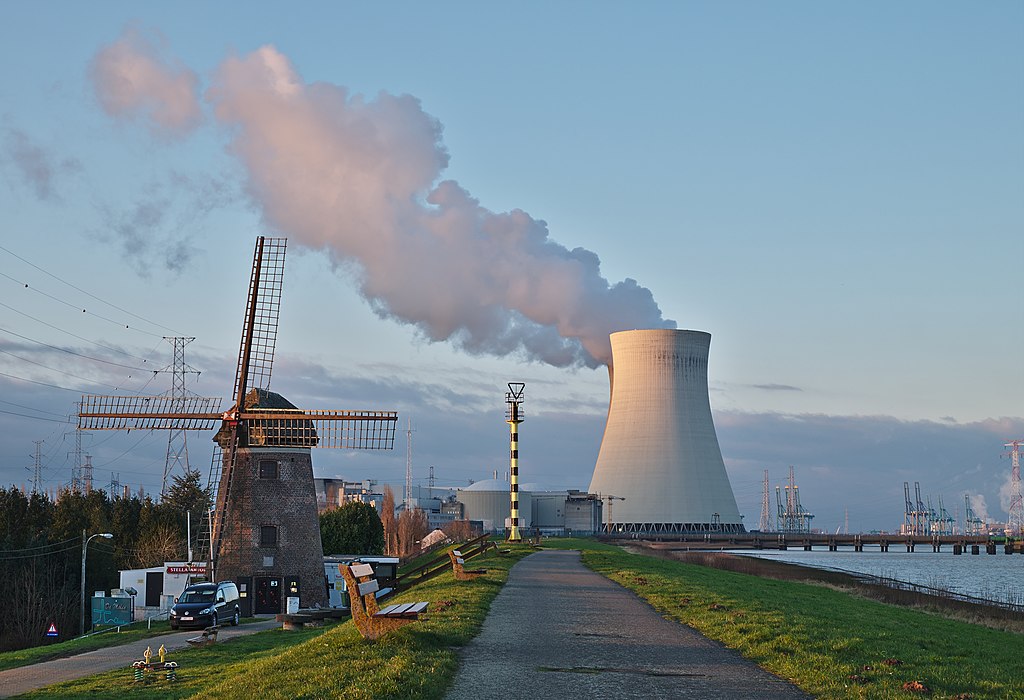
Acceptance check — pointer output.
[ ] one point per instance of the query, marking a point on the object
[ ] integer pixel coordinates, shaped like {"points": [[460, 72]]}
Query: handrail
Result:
{"points": [[431, 568], [147, 620]]}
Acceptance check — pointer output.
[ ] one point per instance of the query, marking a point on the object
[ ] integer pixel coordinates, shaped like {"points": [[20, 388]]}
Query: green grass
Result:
{"points": [[831, 644], [417, 661], [70, 647]]}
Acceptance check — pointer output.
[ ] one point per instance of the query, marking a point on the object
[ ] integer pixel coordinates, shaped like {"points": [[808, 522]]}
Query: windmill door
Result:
{"points": [[268, 596]]}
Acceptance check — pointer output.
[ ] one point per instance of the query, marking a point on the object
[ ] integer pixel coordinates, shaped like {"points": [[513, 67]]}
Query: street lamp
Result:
{"points": [[85, 546]]}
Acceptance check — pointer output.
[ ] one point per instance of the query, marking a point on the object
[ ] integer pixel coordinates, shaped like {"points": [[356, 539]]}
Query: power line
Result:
{"points": [[29, 408], [73, 335], [23, 415], [52, 369], [70, 352], [88, 294]]}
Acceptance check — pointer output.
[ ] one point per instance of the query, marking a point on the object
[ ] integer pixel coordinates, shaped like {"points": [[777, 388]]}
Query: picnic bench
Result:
{"points": [[208, 637], [458, 566], [370, 619]]}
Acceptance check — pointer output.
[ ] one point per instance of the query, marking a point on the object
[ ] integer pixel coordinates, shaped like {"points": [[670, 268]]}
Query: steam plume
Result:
{"points": [[361, 179], [980, 507], [131, 79]]}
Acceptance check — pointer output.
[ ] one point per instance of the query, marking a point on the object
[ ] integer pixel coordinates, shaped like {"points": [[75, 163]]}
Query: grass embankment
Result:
{"points": [[831, 644], [417, 661], [71, 647]]}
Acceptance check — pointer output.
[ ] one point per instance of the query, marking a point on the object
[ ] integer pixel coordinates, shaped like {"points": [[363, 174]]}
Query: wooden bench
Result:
{"points": [[208, 637], [294, 621], [309, 616], [372, 621], [458, 566]]}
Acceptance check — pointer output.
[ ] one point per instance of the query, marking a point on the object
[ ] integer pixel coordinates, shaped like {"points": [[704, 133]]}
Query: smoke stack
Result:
{"points": [[660, 452]]}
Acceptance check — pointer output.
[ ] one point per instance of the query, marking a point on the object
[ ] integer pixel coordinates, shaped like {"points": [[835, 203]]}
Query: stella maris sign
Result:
{"points": [[187, 569]]}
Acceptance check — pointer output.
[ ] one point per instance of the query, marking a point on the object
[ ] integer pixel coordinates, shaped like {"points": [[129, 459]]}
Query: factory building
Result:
{"points": [[659, 459], [550, 512]]}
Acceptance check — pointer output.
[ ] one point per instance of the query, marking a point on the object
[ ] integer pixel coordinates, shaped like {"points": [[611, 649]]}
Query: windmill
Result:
{"points": [[264, 527]]}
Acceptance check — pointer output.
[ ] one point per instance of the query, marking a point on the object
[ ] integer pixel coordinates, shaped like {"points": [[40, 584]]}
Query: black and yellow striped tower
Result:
{"points": [[514, 416]]}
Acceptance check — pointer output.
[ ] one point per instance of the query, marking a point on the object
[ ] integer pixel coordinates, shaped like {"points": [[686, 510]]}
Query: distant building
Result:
{"points": [[331, 493]]}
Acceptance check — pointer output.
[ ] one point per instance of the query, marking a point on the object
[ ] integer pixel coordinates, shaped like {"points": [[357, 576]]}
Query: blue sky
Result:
{"points": [[834, 192]]}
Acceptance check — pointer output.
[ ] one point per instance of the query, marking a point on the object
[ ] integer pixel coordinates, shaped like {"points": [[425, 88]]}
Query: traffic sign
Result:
{"points": [[52, 632]]}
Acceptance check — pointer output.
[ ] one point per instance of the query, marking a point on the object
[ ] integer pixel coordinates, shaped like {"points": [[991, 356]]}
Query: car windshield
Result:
{"points": [[196, 597]]}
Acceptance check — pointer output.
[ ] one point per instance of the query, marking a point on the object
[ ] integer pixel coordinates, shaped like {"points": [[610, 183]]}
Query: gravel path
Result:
{"points": [[557, 629], [21, 680]]}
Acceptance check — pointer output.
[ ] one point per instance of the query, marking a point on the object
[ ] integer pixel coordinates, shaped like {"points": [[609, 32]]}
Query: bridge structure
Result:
{"points": [[808, 541]]}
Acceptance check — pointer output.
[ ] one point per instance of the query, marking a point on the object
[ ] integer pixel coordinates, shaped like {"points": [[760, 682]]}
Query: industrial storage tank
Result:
{"points": [[488, 500], [660, 457]]}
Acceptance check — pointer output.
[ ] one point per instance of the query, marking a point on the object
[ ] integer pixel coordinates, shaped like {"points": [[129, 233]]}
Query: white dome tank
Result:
{"points": [[488, 500]]}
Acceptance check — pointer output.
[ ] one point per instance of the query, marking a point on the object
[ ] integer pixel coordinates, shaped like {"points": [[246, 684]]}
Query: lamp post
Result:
{"points": [[85, 547]]}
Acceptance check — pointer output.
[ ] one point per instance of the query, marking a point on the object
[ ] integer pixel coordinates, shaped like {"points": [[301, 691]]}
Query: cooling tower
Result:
{"points": [[660, 464]]}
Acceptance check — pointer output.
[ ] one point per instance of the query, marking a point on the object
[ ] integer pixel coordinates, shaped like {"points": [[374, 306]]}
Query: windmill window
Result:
{"points": [[268, 536], [268, 469]]}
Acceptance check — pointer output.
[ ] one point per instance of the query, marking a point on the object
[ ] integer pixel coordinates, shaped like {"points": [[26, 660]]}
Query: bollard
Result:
{"points": [[958, 549], [975, 549]]}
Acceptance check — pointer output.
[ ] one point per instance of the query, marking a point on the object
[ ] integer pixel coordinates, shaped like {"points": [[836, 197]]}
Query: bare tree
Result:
{"points": [[460, 530], [160, 544], [39, 594], [412, 527]]}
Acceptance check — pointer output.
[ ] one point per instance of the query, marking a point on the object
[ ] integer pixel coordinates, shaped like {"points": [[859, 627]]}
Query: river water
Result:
{"points": [[998, 577]]}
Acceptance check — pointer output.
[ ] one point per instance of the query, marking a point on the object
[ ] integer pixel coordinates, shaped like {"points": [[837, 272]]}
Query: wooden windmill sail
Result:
{"points": [[258, 419]]}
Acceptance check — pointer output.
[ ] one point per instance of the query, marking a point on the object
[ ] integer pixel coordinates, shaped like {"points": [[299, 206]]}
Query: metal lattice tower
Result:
{"points": [[177, 441], [1015, 521], [87, 474], [115, 485], [76, 462], [37, 468], [766, 507], [514, 416], [408, 464]]}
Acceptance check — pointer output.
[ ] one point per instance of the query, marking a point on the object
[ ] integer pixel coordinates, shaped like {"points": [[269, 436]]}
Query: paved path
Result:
{"points": [[21, 680], [558, 630]]}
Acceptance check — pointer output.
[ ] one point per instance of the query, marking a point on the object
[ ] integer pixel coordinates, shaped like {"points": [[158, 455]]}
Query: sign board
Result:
{"points": [[111, 611], [52, 631], [187, 569]]}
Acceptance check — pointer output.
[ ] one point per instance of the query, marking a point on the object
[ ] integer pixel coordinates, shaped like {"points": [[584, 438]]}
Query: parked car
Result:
{"points": [[206, 605]]}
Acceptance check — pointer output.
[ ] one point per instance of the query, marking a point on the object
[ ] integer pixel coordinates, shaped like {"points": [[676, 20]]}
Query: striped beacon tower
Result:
{"points": [[514, 416]]}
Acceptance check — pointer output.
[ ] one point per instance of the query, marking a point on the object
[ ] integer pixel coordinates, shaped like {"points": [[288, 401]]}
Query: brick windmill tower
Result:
{"points": [[265, 530]]}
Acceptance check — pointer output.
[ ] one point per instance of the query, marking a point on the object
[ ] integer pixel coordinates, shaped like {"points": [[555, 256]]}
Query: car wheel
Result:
{"points": [[234, 622]]}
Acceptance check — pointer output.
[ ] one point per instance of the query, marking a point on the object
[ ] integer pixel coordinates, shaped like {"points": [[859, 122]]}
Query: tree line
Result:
{"points": [[41, 550], [41, 546]]}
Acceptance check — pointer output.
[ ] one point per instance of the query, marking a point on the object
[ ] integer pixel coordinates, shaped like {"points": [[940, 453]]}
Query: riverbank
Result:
{"points": [[830, 641], [992, 616]]}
